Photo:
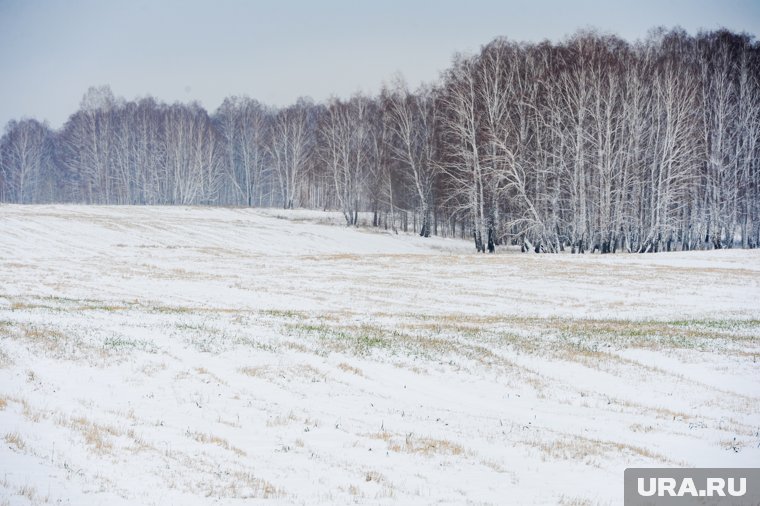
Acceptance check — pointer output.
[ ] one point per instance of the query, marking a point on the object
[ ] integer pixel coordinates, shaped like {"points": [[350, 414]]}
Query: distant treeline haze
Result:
{"points": [[592, 144]]}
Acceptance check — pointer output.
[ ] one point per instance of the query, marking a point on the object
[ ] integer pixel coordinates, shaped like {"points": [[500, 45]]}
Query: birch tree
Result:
{"points": [[291, 144], [25, 163]]}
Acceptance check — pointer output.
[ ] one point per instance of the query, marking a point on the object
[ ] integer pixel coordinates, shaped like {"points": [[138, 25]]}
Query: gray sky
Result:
{"points": [[52, 51]]}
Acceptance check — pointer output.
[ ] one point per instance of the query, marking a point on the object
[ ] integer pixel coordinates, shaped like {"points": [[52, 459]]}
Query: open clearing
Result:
{"points": [[229, 356]]}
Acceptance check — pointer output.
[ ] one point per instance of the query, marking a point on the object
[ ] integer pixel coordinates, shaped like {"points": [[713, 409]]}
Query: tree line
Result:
{"points": [[590, 144]]}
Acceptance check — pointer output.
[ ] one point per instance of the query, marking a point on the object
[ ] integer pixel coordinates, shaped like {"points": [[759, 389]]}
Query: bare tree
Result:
{"points": [[243, 124], [291, 143], [462, 142], [346, 150], [590, 144], [25, 162]]}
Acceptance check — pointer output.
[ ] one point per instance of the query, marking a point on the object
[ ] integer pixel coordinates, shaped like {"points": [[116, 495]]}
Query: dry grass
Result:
{"points": [[204, 372], [581, 449], [21, 306], [522, 332], [281, 420], [374, 476], [256, 372], [490, 342], [151, 368], [651, 411], [348, 368], [31, 414], [14, 439], [427, 446], [48, 338], [637, 427], [458, 347], [259, 487], [138, 443], [303, 372], [296, 346], [96, 436], [29, 492], [418, 445], [216, 440]]}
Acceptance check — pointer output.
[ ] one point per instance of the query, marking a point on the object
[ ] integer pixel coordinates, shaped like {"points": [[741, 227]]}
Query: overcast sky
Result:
{"points": [[275, 51]]}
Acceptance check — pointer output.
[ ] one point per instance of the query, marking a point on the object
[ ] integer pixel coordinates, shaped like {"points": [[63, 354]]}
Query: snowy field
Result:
{"points": [[228, 356]]}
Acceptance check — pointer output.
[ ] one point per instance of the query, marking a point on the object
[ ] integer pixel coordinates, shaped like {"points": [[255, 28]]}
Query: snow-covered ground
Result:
{"points": [[183, 356]]}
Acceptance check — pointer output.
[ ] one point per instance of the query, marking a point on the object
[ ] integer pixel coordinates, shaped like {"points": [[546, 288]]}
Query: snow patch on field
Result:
{"points": [[158, 355]]}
